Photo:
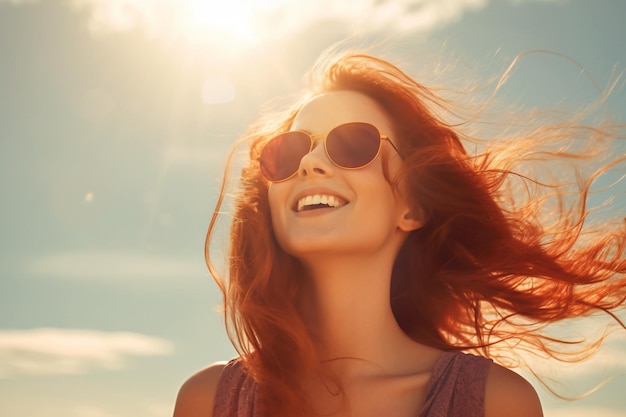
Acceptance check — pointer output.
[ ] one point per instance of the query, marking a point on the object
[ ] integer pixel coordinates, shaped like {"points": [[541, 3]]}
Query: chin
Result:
{"points": [[312, 248], [300, 249]]}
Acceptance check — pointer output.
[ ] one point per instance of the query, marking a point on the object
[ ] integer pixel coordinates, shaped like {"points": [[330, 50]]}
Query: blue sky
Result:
{"points": [[115, 119]]}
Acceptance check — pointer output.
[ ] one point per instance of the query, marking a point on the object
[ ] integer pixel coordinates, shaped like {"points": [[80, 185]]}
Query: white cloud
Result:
{"points": [[155, 409], [267, 18], [123, 15], [113, 266], [228, 25], [50, 351], [230, 21], [517, 2], [92, 411], [160, 409], [18, 2], [369, 16]]}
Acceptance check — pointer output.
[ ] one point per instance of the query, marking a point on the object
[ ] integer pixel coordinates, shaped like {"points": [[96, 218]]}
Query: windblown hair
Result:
{"points": [[502, 254]]}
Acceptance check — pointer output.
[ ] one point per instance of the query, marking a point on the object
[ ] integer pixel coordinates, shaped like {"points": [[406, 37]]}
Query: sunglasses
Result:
{"points": [[350, 146]]}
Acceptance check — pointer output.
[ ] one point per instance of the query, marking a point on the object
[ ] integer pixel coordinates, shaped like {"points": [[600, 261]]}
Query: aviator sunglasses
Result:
{"points": [[350, 146]]}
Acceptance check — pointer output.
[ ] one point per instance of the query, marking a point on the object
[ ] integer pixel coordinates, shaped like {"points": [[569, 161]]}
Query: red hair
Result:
{"points": [[487, 270]]}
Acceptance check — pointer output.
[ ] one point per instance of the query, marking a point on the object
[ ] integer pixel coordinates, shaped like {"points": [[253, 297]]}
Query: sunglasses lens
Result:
{"points": [[281, 156], [353, 145]]}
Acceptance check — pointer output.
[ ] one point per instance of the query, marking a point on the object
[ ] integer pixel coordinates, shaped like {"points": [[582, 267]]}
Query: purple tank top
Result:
{"points": [[456, 389]]}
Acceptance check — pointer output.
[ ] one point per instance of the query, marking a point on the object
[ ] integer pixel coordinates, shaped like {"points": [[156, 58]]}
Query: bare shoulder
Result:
{"points": [[509, 394], [196, 396]]}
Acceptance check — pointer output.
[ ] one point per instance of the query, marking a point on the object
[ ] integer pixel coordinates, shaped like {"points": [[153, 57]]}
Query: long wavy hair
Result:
{"points": [[502, 255]]}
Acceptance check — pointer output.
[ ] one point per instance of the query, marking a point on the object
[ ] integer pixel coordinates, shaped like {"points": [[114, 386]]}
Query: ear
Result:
{"points": [[412, 219]]}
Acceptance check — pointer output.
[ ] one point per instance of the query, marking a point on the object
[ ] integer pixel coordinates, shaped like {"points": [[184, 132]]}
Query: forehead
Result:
{"points": [[328, 110]]}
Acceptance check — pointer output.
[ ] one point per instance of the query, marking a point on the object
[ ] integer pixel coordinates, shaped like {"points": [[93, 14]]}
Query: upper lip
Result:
{"points": [[313, 191]]}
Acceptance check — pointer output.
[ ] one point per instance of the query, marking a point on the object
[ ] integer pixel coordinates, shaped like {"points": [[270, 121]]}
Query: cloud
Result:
{"points": [[113, 266], [228, 26], [272, 18], [267, 19], [92, 411], [50, 351], [160, 409], [224, 21], [125, 15], [18, 2], [154, 409]]}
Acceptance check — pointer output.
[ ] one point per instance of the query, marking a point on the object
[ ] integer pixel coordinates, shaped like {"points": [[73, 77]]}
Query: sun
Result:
{"points": [[232, 23]]}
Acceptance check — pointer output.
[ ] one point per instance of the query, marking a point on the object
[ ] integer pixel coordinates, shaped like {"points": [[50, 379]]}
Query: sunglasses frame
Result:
{"points": [[324, 136]]}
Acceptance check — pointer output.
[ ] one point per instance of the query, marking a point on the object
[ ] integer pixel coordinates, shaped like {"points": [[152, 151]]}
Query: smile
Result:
{"points": [[312, 202]]}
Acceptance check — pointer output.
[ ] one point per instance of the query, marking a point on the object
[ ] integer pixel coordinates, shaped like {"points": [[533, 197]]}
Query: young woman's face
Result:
{"points": [[359, 211]]}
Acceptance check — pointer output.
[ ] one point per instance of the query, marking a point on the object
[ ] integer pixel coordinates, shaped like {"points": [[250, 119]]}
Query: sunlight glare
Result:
{"points": [[231, 22], [218, 90]]}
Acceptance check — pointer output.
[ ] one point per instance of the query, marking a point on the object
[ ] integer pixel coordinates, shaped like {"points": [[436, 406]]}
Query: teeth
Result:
{"points": [[312, 200]]}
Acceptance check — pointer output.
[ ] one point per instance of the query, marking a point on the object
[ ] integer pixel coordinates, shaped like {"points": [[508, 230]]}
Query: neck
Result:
{"points": [[349, 313]]}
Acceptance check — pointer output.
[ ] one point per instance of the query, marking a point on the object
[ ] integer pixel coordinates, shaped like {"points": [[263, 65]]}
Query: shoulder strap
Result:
{"points": [[236, 392], [457, 386]]}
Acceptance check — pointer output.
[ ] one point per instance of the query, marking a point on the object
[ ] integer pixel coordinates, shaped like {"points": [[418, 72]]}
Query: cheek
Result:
{"points": [[276, 199], [275, 196], [273, 204]]}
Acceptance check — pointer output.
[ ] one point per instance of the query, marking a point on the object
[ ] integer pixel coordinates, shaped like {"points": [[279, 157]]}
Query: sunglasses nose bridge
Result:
{"points": [[316, 161]]}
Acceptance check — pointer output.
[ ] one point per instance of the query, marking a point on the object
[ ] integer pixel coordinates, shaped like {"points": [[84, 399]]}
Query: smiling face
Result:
{"points": [[325, 209]]}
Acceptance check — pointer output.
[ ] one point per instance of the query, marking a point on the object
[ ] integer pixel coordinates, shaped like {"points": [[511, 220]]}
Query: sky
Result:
{"points": [[115, 120]]}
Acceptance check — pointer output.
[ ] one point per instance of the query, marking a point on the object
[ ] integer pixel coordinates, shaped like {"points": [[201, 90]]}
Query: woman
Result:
{"points": [[368, 249]]}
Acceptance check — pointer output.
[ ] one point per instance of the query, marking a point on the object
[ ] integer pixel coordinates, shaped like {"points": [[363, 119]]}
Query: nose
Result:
{"points": [[316, 162]]}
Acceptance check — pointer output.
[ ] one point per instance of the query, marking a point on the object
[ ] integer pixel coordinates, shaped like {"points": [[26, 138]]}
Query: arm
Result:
{"points": [[196, 396], [510, 395]]}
